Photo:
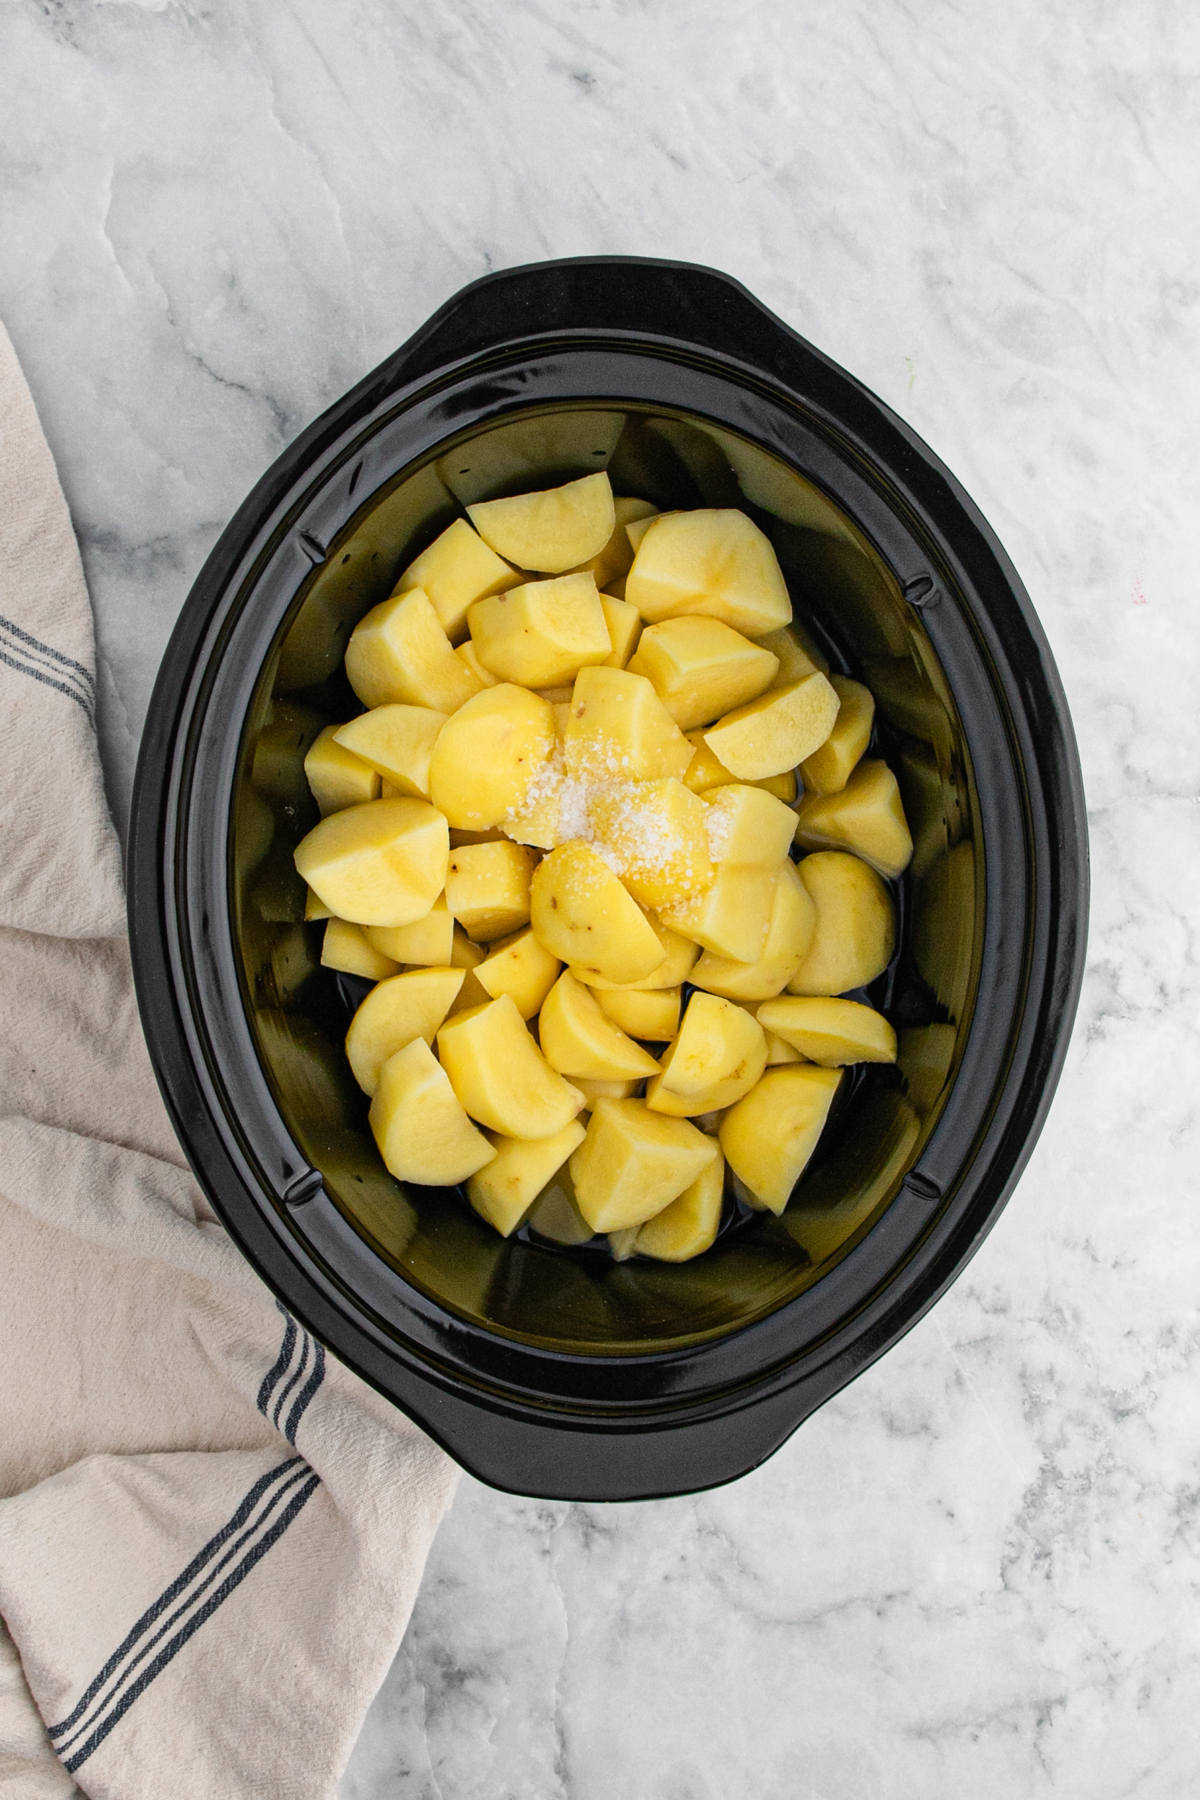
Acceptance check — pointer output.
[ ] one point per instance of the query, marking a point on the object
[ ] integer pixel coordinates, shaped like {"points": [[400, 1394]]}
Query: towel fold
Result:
{"points": [[211, 1533]]}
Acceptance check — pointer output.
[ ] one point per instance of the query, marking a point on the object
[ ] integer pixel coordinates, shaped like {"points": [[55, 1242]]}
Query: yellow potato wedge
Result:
{"points": [[633, 1163], [488, 755], [831, 1033], [555, 529], [467, 653], [399, 654], [336, 777], [624, 625], [679, 955], [688, 1226], [866, 817], [718, 1054], [748, 827], [393, 1014], [770, 1135], [398, 741], [656, 834], [501, 1076], [732, 917], [422, 1131], [604, 1090], [542, 633], [652, 1015], [828, 769], [713, 562], [457, 569], [467, 956], [346, 947], [428, 943], [578, 1037], [519, 966], [789, 938], [854, 932], [504, 1190], [796, 657], [379, 864], [778, 730], [581, 913], [700, 668], [619, 729], [315, 909], [487, 888]]}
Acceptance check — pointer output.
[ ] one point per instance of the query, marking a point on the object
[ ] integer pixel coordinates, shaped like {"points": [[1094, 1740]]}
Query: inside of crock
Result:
{"points": [[577, 1299]]}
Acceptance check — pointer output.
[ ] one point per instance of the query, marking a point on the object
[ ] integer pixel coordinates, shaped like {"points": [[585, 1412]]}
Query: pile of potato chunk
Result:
{"points": [[574, 790]]}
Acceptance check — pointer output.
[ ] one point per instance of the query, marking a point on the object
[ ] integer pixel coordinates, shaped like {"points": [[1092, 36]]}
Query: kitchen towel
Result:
{"points": [[211, 1533]]}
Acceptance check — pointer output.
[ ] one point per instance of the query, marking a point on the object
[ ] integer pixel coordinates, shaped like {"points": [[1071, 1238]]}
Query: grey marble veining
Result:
{"points": [[977, 1572]]}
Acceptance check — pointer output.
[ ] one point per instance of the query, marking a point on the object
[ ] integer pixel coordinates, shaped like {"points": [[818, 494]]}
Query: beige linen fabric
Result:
{"points": [[211, 1533]]}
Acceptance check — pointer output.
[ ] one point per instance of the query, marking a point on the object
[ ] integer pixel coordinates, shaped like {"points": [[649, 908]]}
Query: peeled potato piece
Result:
{"points": [[578, 1037], [501, 1076], [612, 563], [314, 908], [796, 659], [732, 917], [679, 954], [542, 633], [346, 947], [504, 1190], [713, 562], [624, 624], [457, 569], [519, 966], [428, 942], [701, 668], [688, 1226], [581, 914], [779, 1052], [398, 741], [399, 653], [488, 755], [652, 1015], [789, 936], [749, 827], [379, 864], [422, 1132], [487, 888], [467, 956], [634, 1162], [830, 1032], [618, 727], [769, 1136], [336, 776], [778, 730], [593, 1090], [717, 1041], [468, 654], [400, 1009], [658, 834], [555, 529], [867, 817], [854, 933], [706, 772], [828, 769]]}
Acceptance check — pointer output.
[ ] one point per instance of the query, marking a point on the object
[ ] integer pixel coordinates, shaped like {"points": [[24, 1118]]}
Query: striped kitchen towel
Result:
{"points": [[211, 1533]]}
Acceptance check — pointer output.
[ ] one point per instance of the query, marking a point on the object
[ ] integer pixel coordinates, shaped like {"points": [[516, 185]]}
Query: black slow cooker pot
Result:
{"points": [[552, 1370]]}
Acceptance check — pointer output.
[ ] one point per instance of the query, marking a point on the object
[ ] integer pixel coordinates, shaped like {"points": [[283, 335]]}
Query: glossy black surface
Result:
{"points": [[544, 1371]]}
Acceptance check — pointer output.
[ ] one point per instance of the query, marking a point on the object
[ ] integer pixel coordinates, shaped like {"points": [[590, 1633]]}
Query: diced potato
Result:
{"points": [[688, 1226], [400, 1009], [398, 741], [428, 942], [719, 1053], [633, 1163], [796, 658], [578, 1037], [636, 530], [867, 817], [705, 770], [505, 1189], [778, 1052], [314, 908], [399, 653], [379, 864], [783, 787], [501, 1076], [421, 1129], [855, 930], [828, 769], [624, 623], [581, 914], [789, 936], [336, 776], [346, 947], [732, 918], [769, 1137], [487, 888], [776, 731], [519, 966], [612, 563], [488, 755], [542, 633], [830, 1032], [652, 1014], [555, 1214], [715, 562], [457, 569], [468, 956], [593, 1090], [555, 529], [469, 655], [748, 827], [700, 668], [657, 833], [679, 954], [619, 728]]}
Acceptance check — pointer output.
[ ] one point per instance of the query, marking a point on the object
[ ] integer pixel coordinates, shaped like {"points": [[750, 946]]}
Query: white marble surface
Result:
{"points": [[977, 1573]]}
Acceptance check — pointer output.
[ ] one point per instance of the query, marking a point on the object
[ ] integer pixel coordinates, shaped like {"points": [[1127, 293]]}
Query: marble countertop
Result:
{"points": [[976, 1572]]}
